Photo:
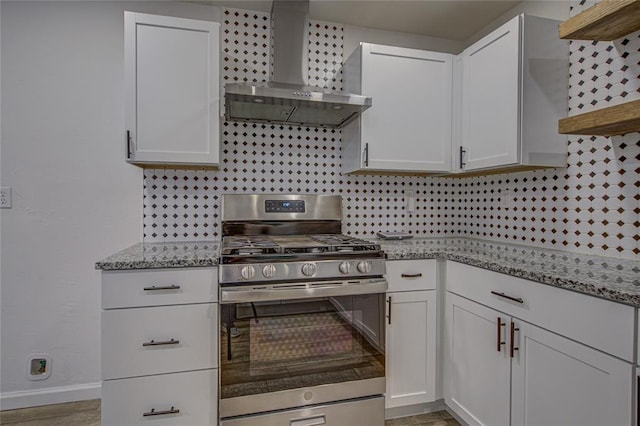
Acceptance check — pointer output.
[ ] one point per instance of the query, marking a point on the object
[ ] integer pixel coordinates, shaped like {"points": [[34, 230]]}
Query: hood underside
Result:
{"points": [[288, 99], [295, 105]]}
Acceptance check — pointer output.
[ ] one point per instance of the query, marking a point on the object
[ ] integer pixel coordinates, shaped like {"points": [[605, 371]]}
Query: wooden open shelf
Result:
{"points": [[610, 121], [607, 20]]}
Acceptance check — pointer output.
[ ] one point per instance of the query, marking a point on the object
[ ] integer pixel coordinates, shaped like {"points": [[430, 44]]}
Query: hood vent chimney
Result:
{"points": [[287, 98]]}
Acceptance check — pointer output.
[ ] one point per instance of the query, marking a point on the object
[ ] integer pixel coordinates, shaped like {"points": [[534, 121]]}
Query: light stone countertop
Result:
{"points": [[608, 278], [604, 277], [163, 255]]}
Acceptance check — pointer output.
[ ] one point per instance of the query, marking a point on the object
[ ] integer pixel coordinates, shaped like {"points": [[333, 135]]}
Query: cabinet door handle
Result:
{"points": [[153, 412], [513, 335], [410, 275], [161, 342], [389, 316], [462, 152], [506, 296], [128, 144], [499, 332], [162, 287], [366, 155]]}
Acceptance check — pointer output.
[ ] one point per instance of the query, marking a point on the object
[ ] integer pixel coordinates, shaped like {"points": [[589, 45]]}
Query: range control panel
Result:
{"points": [[284, 206]]}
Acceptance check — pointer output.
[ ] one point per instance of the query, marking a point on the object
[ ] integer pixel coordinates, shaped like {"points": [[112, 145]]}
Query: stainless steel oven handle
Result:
{"points": [[259, 293], [309, 421]]}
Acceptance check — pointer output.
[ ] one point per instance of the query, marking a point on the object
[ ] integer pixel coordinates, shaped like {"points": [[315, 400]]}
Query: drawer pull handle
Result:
{"points": [[513, 335], [506, 296], [499, 341], [162, 287], [411, 275], [161, 343], [153, 412]]}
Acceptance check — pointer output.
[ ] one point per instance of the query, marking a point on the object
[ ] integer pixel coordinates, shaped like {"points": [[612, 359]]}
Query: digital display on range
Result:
{"points": [[284, 206]]}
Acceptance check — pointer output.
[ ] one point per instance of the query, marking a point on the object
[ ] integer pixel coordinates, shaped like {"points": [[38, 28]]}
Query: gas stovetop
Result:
{"points": [[257, 258], [322, 244], [291, 237]]}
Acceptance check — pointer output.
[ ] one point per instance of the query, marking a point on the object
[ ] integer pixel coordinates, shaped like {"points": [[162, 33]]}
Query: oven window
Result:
{"points": [[288, 344]]}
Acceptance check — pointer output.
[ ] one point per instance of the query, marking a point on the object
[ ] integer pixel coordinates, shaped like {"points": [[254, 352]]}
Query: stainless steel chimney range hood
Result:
{"points": [[287, 98]]}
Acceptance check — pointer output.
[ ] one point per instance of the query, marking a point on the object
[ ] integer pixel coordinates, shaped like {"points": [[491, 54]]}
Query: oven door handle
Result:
{"points": [[261, 293], [309, 421]]}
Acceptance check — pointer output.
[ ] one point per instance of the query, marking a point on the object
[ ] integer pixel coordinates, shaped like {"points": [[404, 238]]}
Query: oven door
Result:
{"points": [[299, 344]]}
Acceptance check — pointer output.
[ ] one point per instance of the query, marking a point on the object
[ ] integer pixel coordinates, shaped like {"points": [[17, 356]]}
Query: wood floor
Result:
{"points": [[87, 413]]}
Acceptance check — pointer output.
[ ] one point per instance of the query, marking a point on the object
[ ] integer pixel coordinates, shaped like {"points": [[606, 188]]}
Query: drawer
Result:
{"points": [[194, 394], [602, 324], [410, 275], [132, 340], [128, 289], [363, 412]]}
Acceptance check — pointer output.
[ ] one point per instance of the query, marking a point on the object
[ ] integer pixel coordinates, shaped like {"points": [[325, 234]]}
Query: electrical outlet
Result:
{"points": [[38, 366], [506, 199], [410, 200], [5, 197]]}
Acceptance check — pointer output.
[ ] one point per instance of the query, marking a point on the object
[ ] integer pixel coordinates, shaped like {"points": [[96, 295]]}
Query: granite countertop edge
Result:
{"points": [[205, 254], [163, 255], [155, 264], [576, 285]]}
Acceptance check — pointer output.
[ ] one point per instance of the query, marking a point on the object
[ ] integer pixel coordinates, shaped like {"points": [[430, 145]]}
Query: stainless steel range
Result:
{"points": [[302, 315]]}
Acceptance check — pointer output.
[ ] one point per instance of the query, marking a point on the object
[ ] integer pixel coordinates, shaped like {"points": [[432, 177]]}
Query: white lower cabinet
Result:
{"points": [[411, 333], [168, 399], [500, 370], [160, 347], [556, 381], [160, 339], [411, 351], [477, 376]]}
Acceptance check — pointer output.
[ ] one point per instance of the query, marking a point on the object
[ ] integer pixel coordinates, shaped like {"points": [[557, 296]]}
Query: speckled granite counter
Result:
{"points": [[607, 278], [604, 277], [163, 255]]}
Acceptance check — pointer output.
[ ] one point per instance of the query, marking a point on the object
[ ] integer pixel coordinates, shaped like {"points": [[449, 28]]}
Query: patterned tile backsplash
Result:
{"points": [[592, 206]]}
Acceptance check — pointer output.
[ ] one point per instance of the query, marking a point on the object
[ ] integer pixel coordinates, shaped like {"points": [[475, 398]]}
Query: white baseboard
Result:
{"points": [[414, 410], [47, 396]]}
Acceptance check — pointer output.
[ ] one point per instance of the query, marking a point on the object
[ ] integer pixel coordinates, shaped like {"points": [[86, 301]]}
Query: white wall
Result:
{"points": [[75, 200]]}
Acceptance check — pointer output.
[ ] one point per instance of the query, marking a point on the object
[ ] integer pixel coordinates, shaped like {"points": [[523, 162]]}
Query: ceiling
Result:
{"points": [[450, 19]]}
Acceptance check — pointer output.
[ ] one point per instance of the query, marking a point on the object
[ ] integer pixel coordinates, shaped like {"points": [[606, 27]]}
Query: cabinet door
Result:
{"points": [[490, 99], [560, 382], [408, 127], [411, 348], [477, 375], [172, 90]]}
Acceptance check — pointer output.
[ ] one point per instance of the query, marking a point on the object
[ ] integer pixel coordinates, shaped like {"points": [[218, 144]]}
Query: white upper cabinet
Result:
{"points": [[172, 90], [514, 90], [408, 127]]}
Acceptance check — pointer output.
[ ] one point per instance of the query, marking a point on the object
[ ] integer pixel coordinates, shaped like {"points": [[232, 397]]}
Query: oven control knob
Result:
{"points": [[269, 271], [309, 269], [364, 267], [247, 272], [345, 268]]}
